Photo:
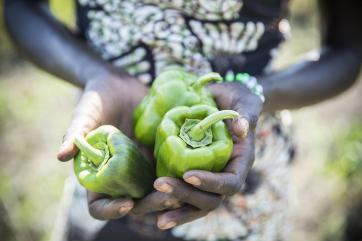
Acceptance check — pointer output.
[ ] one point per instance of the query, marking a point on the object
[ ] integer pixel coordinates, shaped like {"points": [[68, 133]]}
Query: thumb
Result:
{"points": [[86, 117], [240, 126], [247, 120]]}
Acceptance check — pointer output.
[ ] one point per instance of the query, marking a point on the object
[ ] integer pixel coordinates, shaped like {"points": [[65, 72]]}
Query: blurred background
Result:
{"points": [[35, 109]]}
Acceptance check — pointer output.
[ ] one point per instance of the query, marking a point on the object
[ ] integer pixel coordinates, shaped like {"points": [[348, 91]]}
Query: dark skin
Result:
{"points": [[110, 96]]}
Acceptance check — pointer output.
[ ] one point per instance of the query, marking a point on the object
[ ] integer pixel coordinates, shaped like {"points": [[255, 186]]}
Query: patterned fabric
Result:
{"points": [[145, 36]]}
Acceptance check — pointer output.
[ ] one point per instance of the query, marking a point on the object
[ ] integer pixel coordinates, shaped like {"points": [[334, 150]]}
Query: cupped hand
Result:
{"points": [[111, 100], [203, 191]]}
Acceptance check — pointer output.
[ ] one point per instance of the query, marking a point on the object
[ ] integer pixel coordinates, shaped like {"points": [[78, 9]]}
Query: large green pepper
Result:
{"points": [[193, 138], [109, 162], [173, 87]]}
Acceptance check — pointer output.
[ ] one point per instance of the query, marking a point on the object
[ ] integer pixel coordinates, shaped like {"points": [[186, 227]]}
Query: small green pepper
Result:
{"points": [[193, 138], [109, 162], [173, 87]]}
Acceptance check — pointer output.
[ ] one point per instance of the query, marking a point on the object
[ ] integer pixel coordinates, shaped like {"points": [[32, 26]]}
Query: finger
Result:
{"points": [[232, 179], [179, 216], [240, 127], [86, 117], [229, 96], [188, 194], [247, 109], [247, 120], [155, 201], [220, 183], [104, 208]]}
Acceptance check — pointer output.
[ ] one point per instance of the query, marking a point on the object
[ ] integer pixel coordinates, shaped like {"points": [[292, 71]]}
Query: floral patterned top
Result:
{"points": [[142, 37]]}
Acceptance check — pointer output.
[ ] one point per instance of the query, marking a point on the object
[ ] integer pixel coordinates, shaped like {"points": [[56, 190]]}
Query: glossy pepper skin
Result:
{"points": [[109, 162], [173, 87], [193, 138]]}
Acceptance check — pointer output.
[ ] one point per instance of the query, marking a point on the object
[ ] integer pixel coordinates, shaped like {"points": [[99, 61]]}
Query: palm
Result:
{"points": [[103, 102]]}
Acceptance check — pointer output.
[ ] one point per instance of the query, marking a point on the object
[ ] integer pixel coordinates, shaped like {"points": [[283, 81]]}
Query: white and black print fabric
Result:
{"points": [[144, 36]]}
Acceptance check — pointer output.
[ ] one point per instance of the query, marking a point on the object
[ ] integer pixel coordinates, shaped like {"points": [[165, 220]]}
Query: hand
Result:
{"points": [[203, 191], [104, 208], [111, 101]]}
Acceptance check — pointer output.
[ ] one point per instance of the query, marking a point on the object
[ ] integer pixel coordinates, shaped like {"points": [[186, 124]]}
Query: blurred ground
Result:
{"points": [[35, 109]]}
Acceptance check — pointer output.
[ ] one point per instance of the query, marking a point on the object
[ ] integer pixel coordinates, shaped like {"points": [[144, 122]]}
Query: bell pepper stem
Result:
{"points": [[197, 132], [207, 78], [95, 155]]}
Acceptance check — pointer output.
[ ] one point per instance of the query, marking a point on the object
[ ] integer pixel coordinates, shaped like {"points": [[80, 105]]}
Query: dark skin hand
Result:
{"points": [[55, 49], [198, 198], [203, 191]]}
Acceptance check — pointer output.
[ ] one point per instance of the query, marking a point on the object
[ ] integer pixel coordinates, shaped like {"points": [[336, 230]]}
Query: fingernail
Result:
{"points": [[195, 181], [243, 126], [164, 188], [124, 209], [167, 225]]}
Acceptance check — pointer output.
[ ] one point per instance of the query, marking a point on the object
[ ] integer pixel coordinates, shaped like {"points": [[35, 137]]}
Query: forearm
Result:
{"points": [[310, 82], [50, 45], [336, 69]]}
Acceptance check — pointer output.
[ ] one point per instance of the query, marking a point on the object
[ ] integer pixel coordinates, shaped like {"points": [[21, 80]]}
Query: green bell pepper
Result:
{"points": [[173, 87], [193, 138], [109, 162]]}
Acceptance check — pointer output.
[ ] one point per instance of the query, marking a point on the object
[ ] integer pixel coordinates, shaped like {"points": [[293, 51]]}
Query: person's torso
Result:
{"points": [[144, 36]]}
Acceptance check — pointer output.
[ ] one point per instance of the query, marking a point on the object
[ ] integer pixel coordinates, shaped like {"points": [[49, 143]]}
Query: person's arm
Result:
{"points": [[50, 45], [336, 69]]}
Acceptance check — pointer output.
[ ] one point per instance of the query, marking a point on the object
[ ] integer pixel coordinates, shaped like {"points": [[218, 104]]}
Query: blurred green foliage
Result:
{"points": [[344, 160], [64, 10], [345, 157]]}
